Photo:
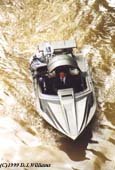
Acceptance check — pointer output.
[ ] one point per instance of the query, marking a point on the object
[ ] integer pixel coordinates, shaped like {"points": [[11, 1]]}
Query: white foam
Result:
{"points": [[102, 8], [111, 3]]}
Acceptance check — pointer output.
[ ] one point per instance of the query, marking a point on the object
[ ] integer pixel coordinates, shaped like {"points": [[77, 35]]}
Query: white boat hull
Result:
{"points": [[68, 111]]}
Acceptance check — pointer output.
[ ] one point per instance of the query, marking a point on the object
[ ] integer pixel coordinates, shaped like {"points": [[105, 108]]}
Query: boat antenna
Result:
{"points": [[48, 51]]}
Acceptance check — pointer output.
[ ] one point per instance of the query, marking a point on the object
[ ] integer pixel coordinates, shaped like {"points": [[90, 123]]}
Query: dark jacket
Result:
{"points": [[58, 84]]}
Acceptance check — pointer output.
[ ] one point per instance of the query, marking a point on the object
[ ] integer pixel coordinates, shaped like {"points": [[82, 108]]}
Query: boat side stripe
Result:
{"points": [[90, 104], [53, 118], [86, 109]]}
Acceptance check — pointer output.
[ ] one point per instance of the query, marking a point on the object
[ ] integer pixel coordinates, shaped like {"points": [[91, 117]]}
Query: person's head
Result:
{"points": [[62, 74]]}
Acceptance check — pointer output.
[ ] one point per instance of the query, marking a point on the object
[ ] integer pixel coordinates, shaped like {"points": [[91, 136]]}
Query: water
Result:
{"points": [[24, 136]]}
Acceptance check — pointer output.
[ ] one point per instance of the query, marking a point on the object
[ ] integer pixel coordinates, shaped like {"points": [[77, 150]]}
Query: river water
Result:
{"points": [[24, 135]]}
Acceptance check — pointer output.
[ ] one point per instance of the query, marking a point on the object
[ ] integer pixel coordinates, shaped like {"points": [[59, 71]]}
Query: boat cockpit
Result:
{"points": [[59, 70], [61, 77]]}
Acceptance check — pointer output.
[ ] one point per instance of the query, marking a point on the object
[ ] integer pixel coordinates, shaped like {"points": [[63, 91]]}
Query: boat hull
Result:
{"points": [[71, 108], [71, 115]]}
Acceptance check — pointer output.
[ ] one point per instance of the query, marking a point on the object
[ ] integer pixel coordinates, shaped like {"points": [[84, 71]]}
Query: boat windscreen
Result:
{"points": [[61, 60]]}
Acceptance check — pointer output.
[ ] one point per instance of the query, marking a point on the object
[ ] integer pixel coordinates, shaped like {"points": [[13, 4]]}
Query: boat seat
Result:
{"points": [[52, 74], [74, 72]]}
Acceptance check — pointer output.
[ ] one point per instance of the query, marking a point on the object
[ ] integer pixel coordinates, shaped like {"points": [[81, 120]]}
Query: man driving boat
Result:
{"points": [[62, 80]]}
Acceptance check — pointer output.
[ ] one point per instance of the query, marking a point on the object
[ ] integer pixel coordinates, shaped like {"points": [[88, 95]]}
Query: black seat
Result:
{"points": [[79, 83]]}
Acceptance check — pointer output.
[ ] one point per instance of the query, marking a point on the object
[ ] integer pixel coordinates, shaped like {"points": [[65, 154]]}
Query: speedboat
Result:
{"points": [[68, 108]]}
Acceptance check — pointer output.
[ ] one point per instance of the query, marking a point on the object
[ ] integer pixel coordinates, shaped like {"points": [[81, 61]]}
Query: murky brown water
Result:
{"points": [[24, 136]]}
